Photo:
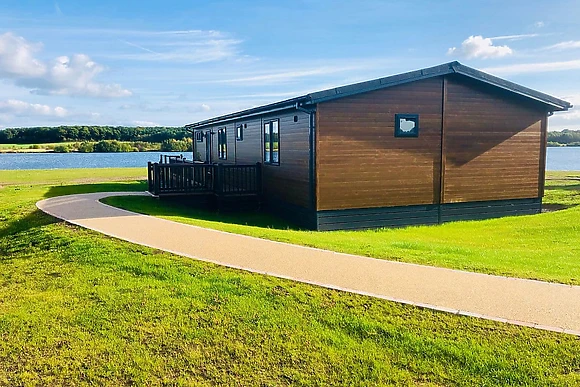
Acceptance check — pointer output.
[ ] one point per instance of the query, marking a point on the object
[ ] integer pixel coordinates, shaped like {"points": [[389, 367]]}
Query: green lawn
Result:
{"points": [[31, 147], [55, 177], [544, 246], [77, 307], [563, 188]]}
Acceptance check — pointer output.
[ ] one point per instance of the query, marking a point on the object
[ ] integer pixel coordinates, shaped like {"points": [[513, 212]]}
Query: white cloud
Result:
{"points": [[145, 123], [203, 108], [480, 47], [66, 76], [21, 108], [75, 76], [17, 57], [540, 67], [514, 37], [285, 76], [563, 46], [194, 46], [569, 119], [573, 114]]}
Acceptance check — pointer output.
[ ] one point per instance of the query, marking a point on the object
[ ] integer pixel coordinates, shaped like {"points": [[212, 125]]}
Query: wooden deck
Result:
{"points": [[177, 177]]}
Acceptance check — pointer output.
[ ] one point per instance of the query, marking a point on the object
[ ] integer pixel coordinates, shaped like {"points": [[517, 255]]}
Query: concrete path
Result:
{"points": [[524, 302]]}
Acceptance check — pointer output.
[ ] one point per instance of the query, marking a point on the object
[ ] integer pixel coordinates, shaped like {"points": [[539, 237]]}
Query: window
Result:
{"points": [[272, 142], [240, 133], [199, 136], [406, 125], [222, 144]]}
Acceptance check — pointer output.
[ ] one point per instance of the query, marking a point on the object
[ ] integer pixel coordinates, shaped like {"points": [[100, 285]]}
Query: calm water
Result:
{"points": [[563, 159], [80, 160], [559, 159]]}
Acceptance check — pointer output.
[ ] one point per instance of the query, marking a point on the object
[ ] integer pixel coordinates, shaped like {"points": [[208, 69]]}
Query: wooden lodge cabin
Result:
{"points": [[429, 146]]}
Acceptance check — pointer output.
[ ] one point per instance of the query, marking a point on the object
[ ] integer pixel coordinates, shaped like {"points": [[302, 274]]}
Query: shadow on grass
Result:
{"points": [[566, 187], [33, 220], [186, 209], [61, 190]]}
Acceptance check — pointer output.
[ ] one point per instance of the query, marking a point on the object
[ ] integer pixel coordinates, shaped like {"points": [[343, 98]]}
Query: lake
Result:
{"points": [[51, 160], [559, 159], [563, 159]]}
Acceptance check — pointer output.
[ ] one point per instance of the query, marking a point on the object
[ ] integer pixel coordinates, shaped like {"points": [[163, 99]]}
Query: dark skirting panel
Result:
{"points": [[296, 215], [364, 218], [490, 209], [367, 218]]}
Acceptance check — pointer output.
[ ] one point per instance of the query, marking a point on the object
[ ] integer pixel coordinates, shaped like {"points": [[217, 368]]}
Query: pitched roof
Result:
{"points": [[554, 104]]}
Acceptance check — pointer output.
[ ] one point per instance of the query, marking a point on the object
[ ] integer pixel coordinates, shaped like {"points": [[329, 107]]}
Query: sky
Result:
{"points": [[170, 63]]}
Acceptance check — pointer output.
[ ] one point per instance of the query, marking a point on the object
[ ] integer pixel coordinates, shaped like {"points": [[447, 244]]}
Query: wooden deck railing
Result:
{"points": [[188, 178], [169, 159]]}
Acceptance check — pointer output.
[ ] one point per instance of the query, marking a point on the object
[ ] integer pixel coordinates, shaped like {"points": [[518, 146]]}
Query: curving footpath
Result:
{"points": [[537, 304]]}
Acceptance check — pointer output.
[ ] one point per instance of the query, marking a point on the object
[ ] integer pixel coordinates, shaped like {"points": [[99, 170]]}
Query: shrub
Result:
{"points": [[141, 146], [176, 145], [111, 146], [86, 147], [62, 149]]}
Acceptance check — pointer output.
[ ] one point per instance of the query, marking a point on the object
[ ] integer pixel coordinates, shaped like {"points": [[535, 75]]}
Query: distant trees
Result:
{"points": [[176, 145], [565, 137], [86, 147], [109, 146], [64, 148], [39, 135]]}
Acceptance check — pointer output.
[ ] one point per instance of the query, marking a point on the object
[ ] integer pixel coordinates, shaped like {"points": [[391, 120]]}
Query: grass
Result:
{"points": [[78, 308], [563, 189], [544, 246], [44, 147], [56, 177]]}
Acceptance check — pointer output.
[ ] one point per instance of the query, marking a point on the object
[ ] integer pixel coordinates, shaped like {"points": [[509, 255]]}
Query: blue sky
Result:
{"points": [[175, 62]]}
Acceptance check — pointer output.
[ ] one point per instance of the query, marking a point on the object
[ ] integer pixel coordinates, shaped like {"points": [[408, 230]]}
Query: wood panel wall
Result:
{"points": [[359, 161], [249, 151], [289, 181], [493, 144]]}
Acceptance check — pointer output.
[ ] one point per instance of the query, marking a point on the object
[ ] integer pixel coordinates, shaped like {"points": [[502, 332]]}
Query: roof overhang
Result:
{"points": [[271, 108]]}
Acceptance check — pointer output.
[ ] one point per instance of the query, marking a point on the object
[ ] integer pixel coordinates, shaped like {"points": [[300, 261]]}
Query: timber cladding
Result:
{"points": [[476, 143], [359, 161], [249, 150], [492, 144], [289, 181]]}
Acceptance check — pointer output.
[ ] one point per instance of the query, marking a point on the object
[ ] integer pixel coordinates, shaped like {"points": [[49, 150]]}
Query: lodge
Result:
{"points": [[429, 146]]}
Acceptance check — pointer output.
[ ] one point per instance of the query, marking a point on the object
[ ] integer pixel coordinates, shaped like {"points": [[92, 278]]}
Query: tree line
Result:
{"points": [[39, 135], [171, 137], [111, 146], [566, 137]]}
